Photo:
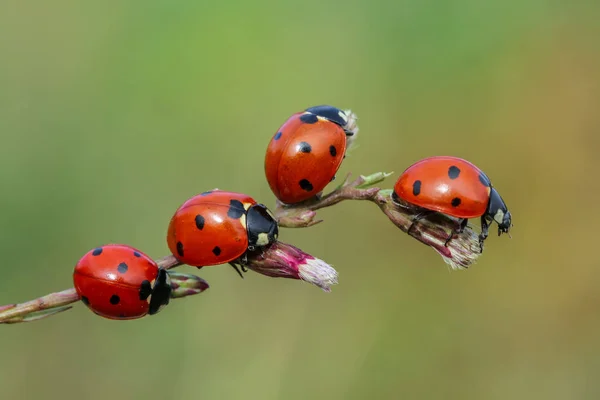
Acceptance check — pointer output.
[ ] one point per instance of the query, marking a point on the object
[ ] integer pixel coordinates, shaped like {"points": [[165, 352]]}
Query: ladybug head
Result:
{"points": [[499, 212], [505, 225], [262, 226], [344, 118], [161, 292], [330, 113]]}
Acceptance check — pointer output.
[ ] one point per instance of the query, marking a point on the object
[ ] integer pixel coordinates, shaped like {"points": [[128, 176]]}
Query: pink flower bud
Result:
{"points": [[283, 260], [183, 285]]}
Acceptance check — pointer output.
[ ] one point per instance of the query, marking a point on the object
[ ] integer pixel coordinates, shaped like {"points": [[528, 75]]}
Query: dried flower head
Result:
{"points": [[283, 260]]}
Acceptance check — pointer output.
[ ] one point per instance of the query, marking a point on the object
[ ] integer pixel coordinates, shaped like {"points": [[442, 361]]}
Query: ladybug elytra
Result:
{"points": [[455, 187], [218, 227], [307, 151], [119, 282]]}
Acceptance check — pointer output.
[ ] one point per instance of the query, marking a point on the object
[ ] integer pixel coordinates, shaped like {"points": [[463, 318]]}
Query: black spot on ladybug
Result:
{"points": [[417, 188], [277, 136], [304, 147], [180, 249], [332, 151], [485, 181], [199, 222], [114, 300], [306, 185], [455, 202], [85, 300], [216, 251], [145, 289], [137, 254], [97, 251], [122, 268], [206, 193], [453, 172], [236, 209], [309, 118]]}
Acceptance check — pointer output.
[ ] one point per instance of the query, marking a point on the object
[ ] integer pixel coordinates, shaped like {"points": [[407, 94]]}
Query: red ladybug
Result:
{"points": [[218, 227], [307, 151], [454, 187], [119, 282]]}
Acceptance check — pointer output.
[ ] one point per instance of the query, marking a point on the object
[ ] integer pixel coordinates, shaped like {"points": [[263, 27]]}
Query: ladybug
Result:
{"points": [[455, 187], [307, 151], [218, 227], [119, 282]]}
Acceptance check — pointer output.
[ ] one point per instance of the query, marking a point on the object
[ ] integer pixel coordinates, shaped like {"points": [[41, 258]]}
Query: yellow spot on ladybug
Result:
{"points": [[263, 239], [343, 115], [247, 206], [243, 220], [499, 217], [489, 190]]}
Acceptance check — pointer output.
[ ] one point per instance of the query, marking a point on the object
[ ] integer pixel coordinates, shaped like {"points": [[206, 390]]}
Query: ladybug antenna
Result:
{"points": [[237, 270]]}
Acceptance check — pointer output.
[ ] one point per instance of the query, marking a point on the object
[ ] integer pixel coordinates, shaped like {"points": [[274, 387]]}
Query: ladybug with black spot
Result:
{"points": [[455, 187], [307, 151], [120, 282], [218, 227]]}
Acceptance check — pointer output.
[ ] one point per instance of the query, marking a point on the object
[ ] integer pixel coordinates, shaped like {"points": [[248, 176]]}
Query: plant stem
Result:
{"points": [[39, 308], [168, 262], [55, 303], [303, 214], [432, 230], [278, 260]]}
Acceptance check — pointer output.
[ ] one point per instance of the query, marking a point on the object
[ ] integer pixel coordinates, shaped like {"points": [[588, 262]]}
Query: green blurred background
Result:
{"points": [[112, 114]]}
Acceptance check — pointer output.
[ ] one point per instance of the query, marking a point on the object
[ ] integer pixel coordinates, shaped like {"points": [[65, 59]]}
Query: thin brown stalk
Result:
{"points": [[432, 230]]}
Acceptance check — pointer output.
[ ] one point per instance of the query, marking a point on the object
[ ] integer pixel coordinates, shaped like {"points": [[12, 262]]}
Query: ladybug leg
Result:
{"points": [[244, 260], [484, 232], [417, 218], [461, 227], [237, 270]]}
